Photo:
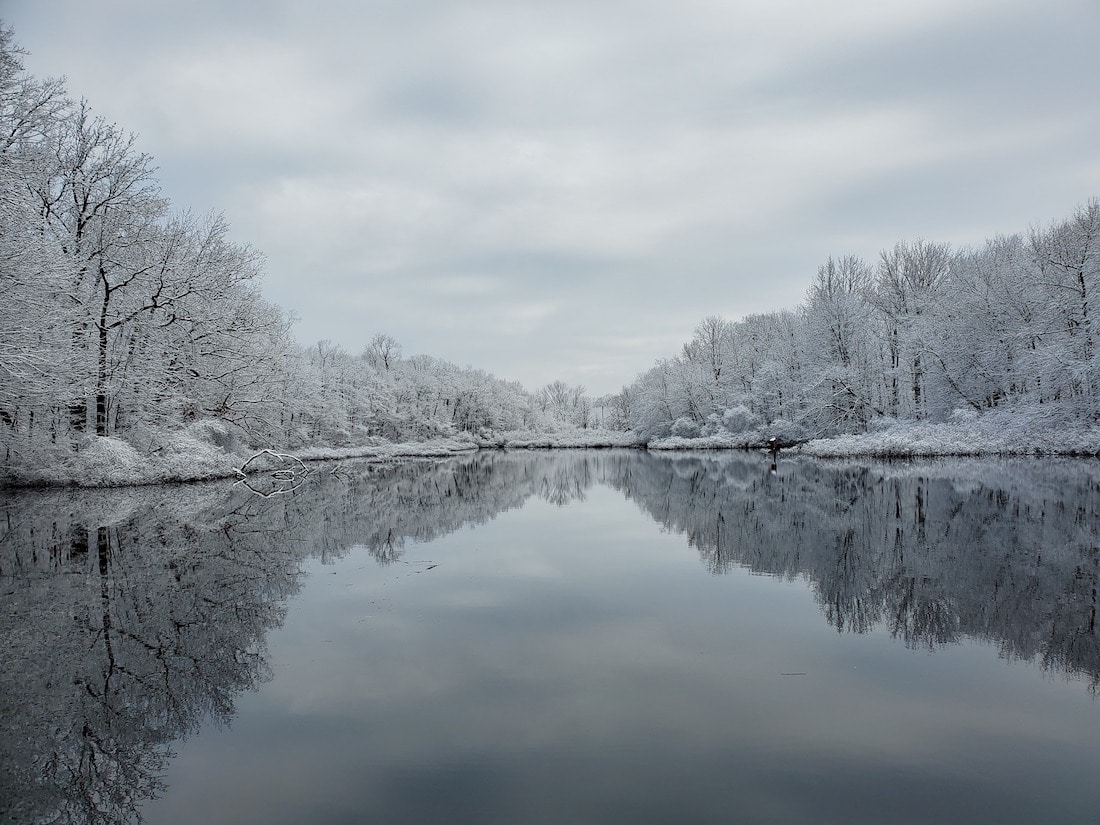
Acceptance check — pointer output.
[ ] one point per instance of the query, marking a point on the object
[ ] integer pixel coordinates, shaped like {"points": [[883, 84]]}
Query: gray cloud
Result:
{"points": [[564, 190]]}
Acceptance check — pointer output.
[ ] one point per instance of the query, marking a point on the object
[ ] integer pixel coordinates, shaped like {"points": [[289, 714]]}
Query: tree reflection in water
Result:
{"points": [[1003, 551], [133, 617]]}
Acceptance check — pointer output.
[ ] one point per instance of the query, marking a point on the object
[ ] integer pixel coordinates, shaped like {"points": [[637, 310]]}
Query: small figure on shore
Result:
{"points": [[773, 448]]}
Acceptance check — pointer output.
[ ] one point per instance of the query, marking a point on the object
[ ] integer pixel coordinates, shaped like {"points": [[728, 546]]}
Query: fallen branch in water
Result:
{"points": [[282, 473]]}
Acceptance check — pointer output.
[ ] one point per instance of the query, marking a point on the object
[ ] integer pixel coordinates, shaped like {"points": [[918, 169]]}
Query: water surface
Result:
{"points": [[566, 637]]}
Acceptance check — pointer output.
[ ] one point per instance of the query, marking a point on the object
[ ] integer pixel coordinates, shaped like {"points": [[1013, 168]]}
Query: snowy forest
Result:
{"points": [[131, 329], [924, 334]]}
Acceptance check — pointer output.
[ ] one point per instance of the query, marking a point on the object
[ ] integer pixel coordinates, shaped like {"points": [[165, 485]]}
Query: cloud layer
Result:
{"points": [[564, 190]]}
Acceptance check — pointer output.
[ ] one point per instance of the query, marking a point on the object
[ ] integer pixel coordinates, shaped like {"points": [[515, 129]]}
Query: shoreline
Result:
{"points": [[112, 463]]}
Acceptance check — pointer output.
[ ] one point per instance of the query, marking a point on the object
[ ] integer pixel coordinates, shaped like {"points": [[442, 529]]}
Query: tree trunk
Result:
{"points": [[101, 368]]}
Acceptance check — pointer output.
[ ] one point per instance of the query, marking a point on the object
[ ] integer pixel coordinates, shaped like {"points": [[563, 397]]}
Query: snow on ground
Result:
{"points": [[722, 441], [965, 435], [976, 437], [565, 440], [211, 449], [439, 448], [204, 450]]}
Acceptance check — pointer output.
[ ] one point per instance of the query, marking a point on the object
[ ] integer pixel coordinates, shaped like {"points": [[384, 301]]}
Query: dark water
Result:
{"points": [[559, 638]]}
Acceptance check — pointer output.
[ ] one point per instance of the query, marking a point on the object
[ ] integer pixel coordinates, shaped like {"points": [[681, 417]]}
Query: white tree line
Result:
{"points": [[122, 316], [926, 333]]}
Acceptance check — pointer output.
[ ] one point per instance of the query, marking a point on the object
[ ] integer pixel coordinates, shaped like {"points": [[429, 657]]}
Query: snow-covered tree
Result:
{"points": [[909, 281], [1067, 261], [33, 341], [839, 327]]}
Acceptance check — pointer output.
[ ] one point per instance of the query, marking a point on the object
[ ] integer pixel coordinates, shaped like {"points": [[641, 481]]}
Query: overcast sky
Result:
{"points": [[564, 188]]}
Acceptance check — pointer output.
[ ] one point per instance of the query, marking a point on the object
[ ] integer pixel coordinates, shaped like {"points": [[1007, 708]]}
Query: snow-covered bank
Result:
{"points": [[965, 435], [581, 439], [438, 448], [203, 451], [724, 441], [981, 436], [210, 449]]}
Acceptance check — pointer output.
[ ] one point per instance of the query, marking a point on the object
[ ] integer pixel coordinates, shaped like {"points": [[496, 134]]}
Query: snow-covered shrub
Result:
{"points": [[881, 424], [204, 449], [218, 433], [106, 462], [712, 426], [740, 419], [786, 431], [685, 427]]}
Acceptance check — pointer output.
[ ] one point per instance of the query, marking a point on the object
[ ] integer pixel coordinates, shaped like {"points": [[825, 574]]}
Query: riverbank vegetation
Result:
{"points": [[997, 342], [136, 344]]}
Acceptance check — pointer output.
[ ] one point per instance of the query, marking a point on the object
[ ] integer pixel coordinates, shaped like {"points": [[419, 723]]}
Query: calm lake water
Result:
{"points": [[581, 637]]}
